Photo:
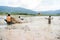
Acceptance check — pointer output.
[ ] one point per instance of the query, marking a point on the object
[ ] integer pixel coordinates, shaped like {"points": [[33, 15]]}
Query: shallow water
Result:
{"points": [[36, 28]]}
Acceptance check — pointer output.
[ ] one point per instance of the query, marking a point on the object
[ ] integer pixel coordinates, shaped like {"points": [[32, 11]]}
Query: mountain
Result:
{"points": [[16, 9], [24, 10], [50, 12]]}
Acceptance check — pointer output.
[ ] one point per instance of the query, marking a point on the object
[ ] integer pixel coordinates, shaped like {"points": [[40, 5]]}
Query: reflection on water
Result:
{"points": [[37, 28]]}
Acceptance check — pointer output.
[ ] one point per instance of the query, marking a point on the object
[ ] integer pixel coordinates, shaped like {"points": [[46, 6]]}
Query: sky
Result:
{"points": [[36, 5]]}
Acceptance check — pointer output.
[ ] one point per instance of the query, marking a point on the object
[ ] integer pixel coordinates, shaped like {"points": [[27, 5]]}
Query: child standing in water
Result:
{"points": [[49, 20]]}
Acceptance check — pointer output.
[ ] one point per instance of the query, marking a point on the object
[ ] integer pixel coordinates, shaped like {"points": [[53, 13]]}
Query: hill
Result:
{"points": [[16, 9]]}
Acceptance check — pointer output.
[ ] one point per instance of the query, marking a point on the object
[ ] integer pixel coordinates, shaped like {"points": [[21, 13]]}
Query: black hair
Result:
{"points": [[19, 16]]}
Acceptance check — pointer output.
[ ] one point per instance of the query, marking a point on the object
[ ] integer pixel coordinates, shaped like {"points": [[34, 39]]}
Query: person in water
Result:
{"points": [[11, 20], [20, 18], [49, 20]]}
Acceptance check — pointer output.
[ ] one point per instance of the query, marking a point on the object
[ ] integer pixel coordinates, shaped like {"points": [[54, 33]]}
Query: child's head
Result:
{"points": [[8, 14], [49, 16], [19, 16]]}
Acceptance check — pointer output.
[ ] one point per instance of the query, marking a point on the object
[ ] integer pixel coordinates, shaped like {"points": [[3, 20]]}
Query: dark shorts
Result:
{"points": [[9, 23]]}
